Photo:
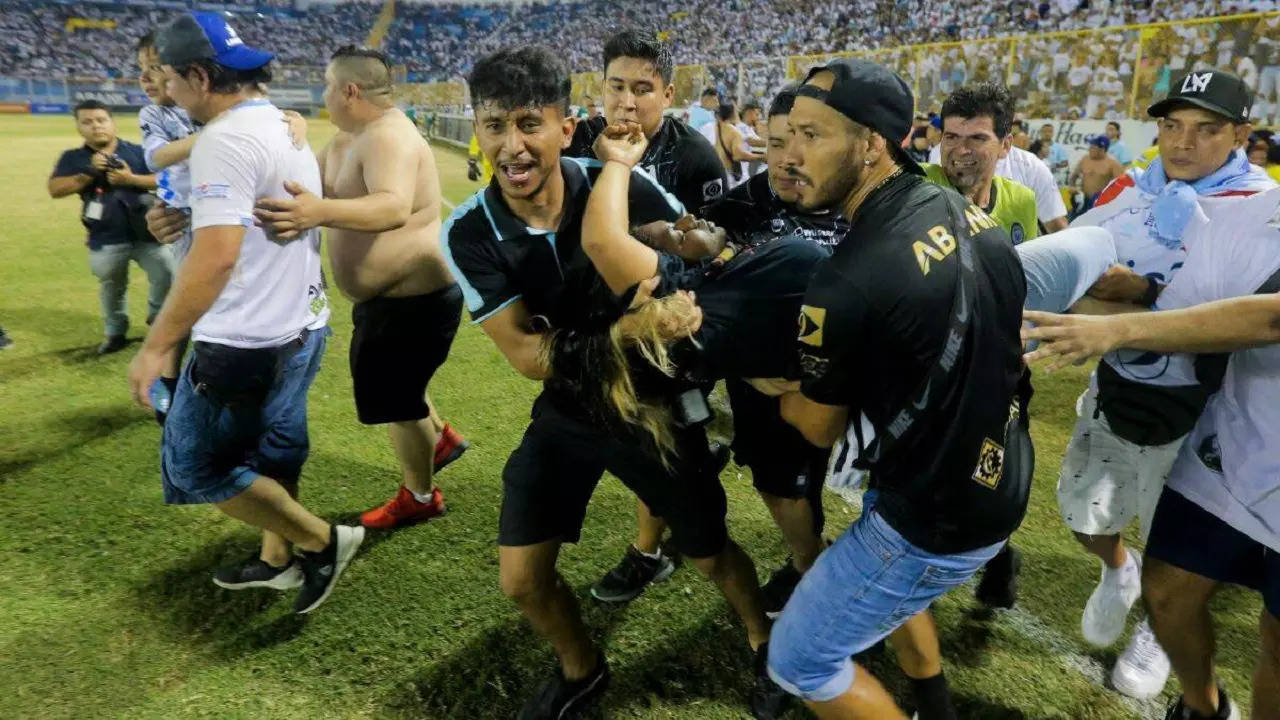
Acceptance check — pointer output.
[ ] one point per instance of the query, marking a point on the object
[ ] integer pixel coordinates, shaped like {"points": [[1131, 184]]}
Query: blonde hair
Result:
{"points": [[653, 328]]}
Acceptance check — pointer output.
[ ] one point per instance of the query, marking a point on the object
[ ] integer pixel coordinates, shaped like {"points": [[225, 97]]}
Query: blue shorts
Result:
{"points": [[210, 453], [861, 589]]}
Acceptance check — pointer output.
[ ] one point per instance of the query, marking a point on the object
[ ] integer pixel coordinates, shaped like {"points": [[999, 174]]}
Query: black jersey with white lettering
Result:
{"points": [[751, 214], [678, 156], [875, 321]]}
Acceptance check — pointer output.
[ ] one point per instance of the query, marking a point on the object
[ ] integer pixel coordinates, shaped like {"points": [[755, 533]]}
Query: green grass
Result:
{"points": [[106, 609]]}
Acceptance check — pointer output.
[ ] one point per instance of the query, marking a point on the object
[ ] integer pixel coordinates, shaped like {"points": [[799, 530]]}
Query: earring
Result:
{"points": [[867, 161]]}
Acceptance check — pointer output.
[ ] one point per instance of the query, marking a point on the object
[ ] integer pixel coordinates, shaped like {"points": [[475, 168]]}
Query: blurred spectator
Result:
{"points": [[1118, 149], [1273, 162]]}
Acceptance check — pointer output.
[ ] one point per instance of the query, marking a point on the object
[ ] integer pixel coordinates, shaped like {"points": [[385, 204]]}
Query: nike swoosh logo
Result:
{"points": [[962, 315], [924, 397], [326, 571]]}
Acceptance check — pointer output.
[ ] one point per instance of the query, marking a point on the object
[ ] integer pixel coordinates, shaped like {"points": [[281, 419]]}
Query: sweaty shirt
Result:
{"points": [[1012, 205], [682, 160], [875, 321]]}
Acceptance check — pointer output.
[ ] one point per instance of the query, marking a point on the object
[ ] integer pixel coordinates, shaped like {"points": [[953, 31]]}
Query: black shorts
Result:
{"points": [[548, 481], [396, 346], [782, 463], [1187, 536]]}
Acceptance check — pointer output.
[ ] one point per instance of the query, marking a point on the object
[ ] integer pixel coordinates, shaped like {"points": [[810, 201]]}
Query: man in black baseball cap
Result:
{"points": [[1209, 112], [913, 323]]}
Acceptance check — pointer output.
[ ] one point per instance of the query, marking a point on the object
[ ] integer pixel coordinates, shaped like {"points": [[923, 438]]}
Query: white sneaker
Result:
{"points": [[1142, 669], [1103, 620]]}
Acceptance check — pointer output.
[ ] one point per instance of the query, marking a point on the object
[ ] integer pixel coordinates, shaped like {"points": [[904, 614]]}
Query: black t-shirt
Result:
{"points": [[122, 212], [751, 214], [875, 321], [497, 260], [679, 157]]}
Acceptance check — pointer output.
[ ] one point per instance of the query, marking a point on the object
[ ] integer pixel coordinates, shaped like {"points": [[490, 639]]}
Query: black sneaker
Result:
{"points": [[115, 343], [321, 570], [255, 572], [1227, 710], [560, 699], [631, 576], [768, 699], [999, 585], [778, 590]]}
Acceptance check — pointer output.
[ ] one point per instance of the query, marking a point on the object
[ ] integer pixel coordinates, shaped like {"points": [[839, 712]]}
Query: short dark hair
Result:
{"points": [[225, 80], [1273, 154], [146, 42], [643, 45], [984, 99], [725, 111], [89, 105], [1114, 124], [751, 105], [368, 68], [520, 77], [710, 92], [783, 101], [1036, 146]]}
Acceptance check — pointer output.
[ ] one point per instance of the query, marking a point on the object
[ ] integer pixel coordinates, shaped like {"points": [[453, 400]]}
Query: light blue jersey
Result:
{"points": [[160, 126]]}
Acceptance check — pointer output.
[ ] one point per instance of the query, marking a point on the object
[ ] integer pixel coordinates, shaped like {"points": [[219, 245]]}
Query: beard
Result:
{"points": [[836, 189]]}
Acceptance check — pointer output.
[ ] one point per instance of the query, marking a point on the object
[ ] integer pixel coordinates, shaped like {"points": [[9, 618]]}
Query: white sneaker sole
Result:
{"points": [[287, 580], [349, 540]]}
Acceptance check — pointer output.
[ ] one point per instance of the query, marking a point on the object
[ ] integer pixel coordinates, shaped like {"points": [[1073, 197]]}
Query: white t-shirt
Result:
{"points": [[1240, 427], [276, 289], [1024, 167]]}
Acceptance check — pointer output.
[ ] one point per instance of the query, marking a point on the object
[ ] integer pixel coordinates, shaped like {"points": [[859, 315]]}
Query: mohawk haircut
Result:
{"points": [[642, 45], [369, 69], [528, 76]]}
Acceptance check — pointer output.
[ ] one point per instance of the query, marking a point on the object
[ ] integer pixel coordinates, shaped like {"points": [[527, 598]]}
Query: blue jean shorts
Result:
{"points": [[861, 589], [210, 453]]}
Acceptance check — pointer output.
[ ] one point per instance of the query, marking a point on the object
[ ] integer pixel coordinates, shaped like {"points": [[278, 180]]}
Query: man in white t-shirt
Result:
{"points": [[1218, 518], [255, 307], [1140, 405]]}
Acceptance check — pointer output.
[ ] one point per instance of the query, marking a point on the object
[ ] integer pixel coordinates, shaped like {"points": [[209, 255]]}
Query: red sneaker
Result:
{"points": [[403, 509], [449, 447]]}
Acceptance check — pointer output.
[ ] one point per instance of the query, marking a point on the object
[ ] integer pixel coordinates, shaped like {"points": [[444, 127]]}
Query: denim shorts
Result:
{"points": [[210, 452], [861, 589]]}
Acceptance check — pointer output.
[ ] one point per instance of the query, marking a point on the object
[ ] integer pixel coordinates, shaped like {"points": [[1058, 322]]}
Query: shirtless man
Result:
{"points": [[1095, 171], [382, 208]]}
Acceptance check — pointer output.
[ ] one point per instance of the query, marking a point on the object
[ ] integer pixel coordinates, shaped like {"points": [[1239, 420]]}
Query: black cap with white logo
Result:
{"points": [[1217, 91], [872, 96]]}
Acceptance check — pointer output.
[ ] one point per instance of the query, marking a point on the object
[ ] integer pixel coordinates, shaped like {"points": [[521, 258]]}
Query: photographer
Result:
{"points": [[111, 177]]}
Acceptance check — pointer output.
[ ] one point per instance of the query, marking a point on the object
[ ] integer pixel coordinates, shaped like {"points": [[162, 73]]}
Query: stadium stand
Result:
{"points": [[1062, 58]]}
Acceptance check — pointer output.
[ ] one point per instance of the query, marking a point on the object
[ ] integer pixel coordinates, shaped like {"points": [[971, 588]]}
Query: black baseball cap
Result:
{"points": [[1217, 91], [873, 96]]}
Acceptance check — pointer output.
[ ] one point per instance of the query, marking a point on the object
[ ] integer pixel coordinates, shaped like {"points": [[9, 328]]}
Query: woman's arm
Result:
{"points": [[620, 259]]}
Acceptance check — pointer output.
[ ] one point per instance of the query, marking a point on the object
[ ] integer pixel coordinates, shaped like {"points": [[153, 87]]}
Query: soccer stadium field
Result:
{"points": [[106, 604]]}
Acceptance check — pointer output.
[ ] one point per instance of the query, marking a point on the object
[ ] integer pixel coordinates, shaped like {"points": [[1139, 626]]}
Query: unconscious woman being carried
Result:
{"points": [[734, 315]]}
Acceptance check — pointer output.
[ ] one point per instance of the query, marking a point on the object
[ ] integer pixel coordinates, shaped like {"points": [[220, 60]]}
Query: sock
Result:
{"points": [[651, 556], [422, 498], [1114, 575], [933, 698]]}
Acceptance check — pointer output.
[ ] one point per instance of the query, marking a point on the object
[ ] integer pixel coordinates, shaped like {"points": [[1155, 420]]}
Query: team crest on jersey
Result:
{"points": [[990, 464], [778, 225], [1017, 234], [811, 320], [712, 189]]}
